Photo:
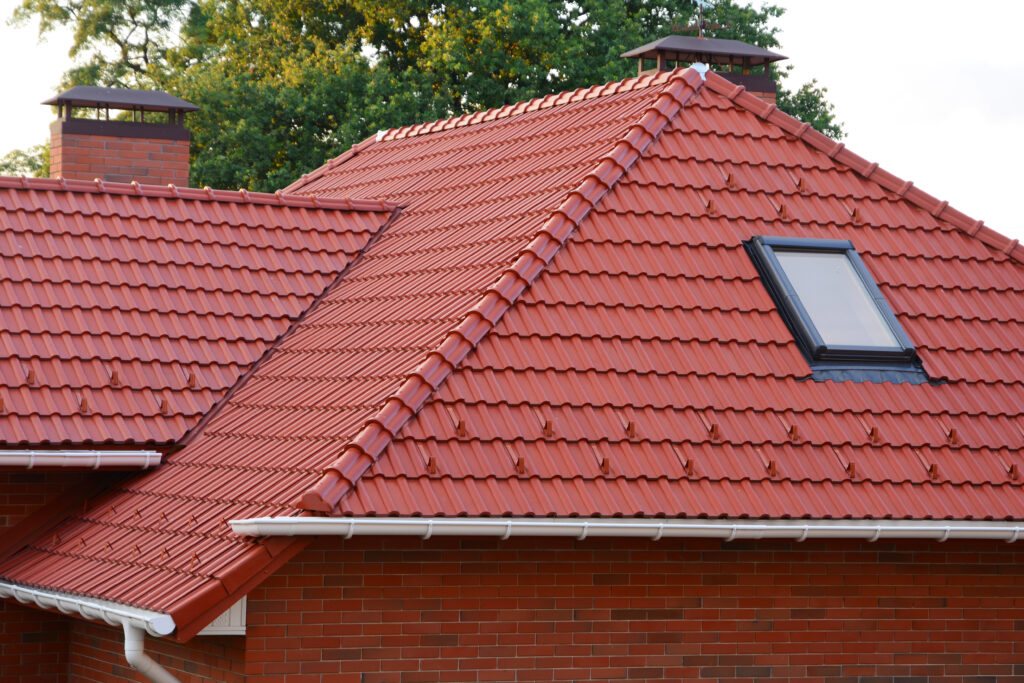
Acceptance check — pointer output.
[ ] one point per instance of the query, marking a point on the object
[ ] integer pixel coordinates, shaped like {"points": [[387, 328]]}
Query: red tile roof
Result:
{"points": [[483, 205], [635, 366], [128, 310], [646, 371]]}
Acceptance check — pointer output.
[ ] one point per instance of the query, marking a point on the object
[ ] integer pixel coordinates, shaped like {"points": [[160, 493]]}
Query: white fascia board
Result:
{"points": [[114, 613], [79, 459], [655, 529]]}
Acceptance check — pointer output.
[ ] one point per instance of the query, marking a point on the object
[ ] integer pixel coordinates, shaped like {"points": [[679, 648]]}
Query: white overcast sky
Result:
{"points": [[930, 89]]}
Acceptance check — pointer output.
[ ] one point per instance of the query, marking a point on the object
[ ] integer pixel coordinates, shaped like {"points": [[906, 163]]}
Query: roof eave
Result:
{"points": [[652, 529], [81, 459], [116, 614]]}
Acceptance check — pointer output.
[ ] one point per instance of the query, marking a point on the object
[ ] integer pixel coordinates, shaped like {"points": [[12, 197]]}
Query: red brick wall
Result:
{"points": [[97, 656], [33, 645], [85, 157], [371, 610], [22, 492], [445, 610]]}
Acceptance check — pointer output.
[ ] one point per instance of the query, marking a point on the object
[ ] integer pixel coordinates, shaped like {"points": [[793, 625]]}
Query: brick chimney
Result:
{"points": [[152, 147], [741, 63]]}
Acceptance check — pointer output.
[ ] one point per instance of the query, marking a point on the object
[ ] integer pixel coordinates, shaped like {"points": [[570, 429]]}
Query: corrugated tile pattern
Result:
{"points": [[646, 372], [128, 310], [472, 199]]}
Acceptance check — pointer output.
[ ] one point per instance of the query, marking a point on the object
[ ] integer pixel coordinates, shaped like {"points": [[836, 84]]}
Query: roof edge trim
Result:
{"points": [[241, 196], [838, 152], [93, 460], [373, 438], [116, 614], [653, 529]]}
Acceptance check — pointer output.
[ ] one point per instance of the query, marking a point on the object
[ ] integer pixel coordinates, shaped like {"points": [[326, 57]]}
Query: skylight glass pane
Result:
{"points": [[836, 299]]}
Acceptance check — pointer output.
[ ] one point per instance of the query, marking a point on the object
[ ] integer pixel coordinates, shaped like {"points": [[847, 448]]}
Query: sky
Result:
{"points": [[932, 90]]}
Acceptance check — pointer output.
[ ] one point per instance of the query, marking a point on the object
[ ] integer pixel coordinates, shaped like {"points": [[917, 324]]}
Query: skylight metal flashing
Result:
{"points": [[837, 314]]}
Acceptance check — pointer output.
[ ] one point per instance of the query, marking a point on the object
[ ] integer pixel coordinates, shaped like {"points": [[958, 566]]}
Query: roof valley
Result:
{"points": [[191, 434]]}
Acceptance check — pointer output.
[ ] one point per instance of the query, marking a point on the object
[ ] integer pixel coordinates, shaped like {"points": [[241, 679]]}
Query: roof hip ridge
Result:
{"points": [[370, 442], [839, 153], [205, 194]]}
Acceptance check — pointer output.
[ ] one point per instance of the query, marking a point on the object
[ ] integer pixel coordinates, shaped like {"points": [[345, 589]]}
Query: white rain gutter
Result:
{"points": [[136, 622], [81, 459], [729, 530]]}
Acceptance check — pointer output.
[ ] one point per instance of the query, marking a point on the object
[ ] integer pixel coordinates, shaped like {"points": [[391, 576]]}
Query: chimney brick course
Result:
{"points": [[152, 147], [114, 159]]}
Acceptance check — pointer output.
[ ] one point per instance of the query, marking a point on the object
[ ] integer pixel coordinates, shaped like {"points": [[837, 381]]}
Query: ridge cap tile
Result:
{"points": [[364, 449], [548, 101], [837, 151], [162, 192]]}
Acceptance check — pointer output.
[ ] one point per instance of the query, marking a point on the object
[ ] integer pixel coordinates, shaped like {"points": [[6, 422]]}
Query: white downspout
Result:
{"points": [[134, 644]]}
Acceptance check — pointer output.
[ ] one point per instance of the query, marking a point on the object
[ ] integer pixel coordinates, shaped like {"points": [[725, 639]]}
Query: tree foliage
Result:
{"points": [[116, 42], [283, 85], [33, 162]]}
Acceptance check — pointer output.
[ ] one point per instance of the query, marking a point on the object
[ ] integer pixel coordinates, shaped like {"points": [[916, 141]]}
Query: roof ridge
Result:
{"points": [[535, 104], [837, 151], [363, 450], [484, 115], [330, 164], [241, 196]]}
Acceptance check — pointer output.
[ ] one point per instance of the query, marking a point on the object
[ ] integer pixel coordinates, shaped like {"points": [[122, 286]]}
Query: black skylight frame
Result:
{"points": [[901, 358]]}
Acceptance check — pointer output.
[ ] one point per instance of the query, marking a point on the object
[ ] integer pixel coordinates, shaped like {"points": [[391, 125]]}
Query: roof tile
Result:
{"points": [[137, 307], [640, 368]]}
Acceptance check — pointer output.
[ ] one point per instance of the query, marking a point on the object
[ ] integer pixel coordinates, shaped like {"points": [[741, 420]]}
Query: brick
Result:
{"points": [[406, 610], [83, 157]]}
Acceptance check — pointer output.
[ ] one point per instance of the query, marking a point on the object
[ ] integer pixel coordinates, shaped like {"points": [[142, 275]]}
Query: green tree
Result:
{"points": [[283, 85], [34, 162], [120, 43]]}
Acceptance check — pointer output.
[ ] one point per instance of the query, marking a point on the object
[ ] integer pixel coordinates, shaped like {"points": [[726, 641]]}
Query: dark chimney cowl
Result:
{"points": [[731, 59], [153, 151]]}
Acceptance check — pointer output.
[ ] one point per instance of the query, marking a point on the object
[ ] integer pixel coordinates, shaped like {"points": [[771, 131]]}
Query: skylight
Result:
{"points": [[830, 302]]}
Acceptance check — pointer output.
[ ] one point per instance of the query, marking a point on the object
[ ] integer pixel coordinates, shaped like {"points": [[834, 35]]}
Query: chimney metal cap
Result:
{"points": [[712, 50], [121, 98]]}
